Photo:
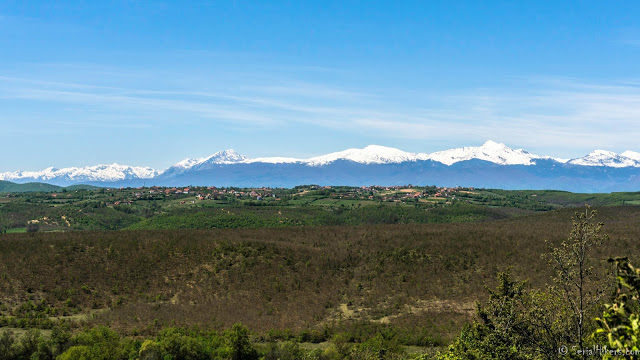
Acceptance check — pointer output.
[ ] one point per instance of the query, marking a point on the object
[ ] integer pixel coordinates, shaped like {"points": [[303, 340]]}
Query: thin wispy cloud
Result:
{"points": [[555, 111], [288, 80], [96, 124]]}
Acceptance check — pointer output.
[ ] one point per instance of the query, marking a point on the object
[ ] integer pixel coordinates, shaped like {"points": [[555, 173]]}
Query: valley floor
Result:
{"points": [[415, 283]]}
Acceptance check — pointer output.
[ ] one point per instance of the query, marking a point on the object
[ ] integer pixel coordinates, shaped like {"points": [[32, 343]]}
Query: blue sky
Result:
{"points": [[150, 83]]}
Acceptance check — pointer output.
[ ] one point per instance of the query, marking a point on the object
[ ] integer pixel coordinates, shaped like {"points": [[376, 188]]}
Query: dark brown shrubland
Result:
{"points": [[421, 277]]}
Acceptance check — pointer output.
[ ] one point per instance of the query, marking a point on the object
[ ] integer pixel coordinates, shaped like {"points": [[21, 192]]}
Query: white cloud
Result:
{"points": [[560, 115]]}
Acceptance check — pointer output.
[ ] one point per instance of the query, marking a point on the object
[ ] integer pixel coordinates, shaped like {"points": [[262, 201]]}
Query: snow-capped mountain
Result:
{"points": [[490, 151], [489, 165], [609, 159], [221, 157], [372, 154], [98, 173], [274, 160], [631, 155]]}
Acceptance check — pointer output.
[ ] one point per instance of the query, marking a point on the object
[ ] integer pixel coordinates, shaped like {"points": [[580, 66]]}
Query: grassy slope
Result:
{"points": [[8, 186], [422, 278]]}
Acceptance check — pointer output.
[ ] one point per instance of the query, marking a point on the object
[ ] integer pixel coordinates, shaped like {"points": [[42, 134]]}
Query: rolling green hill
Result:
{"points": [[10, 187], [7, 186]]}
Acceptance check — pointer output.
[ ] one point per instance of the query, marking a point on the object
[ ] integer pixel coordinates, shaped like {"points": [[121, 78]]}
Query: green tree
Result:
{"points": [[239, 343], [575, 279], [96, 344], [33, 346], [178, 345], [287, 350], [7, 346], [550, 320], [384, 345], [3, 225], [501, 331], [620, 321], [149, 350], [59, 340]]}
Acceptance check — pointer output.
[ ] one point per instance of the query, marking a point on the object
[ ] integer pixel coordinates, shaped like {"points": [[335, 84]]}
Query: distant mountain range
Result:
{"points": [[492, 165]]}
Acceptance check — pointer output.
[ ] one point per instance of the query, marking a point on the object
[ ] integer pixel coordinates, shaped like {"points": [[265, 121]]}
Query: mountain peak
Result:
{"points": [[493, 144], [228, 156], [602, 153], [374, 147], [225, 157], [102, 172], [489, 151], [631, 155], [371, 154], [607, 158]]}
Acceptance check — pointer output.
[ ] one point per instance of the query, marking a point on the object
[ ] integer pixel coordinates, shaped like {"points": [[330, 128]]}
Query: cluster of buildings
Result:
{"points": [[395, 193], [375, 193]]}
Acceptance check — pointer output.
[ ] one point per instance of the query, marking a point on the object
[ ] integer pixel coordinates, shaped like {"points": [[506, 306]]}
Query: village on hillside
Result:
{"points": [[309, 193]]}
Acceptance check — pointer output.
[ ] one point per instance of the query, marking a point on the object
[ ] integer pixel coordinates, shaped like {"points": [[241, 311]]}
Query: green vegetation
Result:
{"points": [[317, 273], [259, 217], [87, 208], [519, 320], [9, 187], [520, 324], [502, 329], [620, 321]]}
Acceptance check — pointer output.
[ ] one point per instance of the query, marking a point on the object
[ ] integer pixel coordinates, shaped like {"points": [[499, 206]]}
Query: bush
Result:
{"points": [[502, 330], [240, 346], [174, 344], [98, 343], [287, 350], [620, 321], [7, 346]]}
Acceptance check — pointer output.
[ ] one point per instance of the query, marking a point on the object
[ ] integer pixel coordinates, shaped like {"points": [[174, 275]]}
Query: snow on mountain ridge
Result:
{"points": [[111, 172], [489, 151], [188, 163], [372, 154], [225, 157], [375, 154], [608, 158], [221, 157], [274, 160], [631, 155]]}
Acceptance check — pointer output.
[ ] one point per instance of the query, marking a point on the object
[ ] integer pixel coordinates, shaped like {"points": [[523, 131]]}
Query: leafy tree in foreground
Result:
{"points": [[502, 330], [519, 324], [620, 321], [575, 278]]}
